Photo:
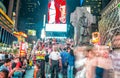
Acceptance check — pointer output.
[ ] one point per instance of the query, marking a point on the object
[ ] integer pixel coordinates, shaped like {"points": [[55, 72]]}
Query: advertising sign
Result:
{"points": [[23, 49], [32, 32], [57, 11], [56, 27], [96, 38]]}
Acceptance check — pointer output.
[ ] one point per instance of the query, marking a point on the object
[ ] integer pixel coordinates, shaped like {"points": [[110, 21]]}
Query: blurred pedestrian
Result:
{"points": [[90, 62], [104, 62], [37, 71], [80, 62]]}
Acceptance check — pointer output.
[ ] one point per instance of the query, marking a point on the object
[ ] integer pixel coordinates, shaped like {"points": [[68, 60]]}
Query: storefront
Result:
{"points": [[6, 29]]}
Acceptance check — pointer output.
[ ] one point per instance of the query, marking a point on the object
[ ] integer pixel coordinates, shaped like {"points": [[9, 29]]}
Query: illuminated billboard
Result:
{"points": [[32, 32], [56, 27], [57, 12]]}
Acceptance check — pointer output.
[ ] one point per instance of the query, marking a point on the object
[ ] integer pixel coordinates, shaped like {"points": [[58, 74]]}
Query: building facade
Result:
{"points": [[6, 24], [109, 25], [95, 6], [6, 29], [104, 3]]}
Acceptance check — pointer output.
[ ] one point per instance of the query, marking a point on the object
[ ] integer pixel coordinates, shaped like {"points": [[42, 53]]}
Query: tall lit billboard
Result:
{"points": [[57, 12]]}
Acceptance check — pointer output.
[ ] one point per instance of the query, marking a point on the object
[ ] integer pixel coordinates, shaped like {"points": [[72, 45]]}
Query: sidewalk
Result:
{"points": [[29, 73]]}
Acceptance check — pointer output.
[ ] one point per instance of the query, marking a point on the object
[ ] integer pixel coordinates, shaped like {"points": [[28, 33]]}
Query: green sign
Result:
{"points": [[119, 5]]}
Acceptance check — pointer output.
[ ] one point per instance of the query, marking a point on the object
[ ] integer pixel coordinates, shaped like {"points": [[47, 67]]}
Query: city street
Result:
{"points": [[59, 38]]}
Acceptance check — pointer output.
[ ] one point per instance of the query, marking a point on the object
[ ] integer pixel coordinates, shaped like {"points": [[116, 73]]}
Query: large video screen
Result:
{"points": [[57, 12], [56, 27]]}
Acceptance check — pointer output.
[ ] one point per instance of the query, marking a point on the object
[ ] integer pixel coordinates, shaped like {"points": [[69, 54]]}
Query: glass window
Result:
{"points": [[98, 10], [99, 2], [98, 5], [94, 6]]}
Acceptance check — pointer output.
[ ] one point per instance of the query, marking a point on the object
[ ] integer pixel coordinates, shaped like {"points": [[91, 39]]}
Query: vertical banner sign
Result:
{"points": [[22, 49], [57, 11]]}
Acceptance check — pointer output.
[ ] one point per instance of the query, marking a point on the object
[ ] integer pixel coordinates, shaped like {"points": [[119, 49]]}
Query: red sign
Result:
{"points": [[22, 49], [57, 11]]}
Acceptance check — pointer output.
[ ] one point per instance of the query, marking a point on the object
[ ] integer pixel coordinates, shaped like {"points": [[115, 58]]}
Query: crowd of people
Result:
{"points": [[85, 61], [56, 60], [13, 66], [53, 59]]}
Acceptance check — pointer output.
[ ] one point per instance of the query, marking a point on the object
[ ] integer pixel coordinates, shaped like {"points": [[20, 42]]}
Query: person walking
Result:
{"points": [[64, 55], [71, 60], [41, 60], [55, 62], [47, 66]]}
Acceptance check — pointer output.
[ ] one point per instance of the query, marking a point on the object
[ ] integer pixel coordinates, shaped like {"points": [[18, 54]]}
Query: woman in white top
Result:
{"points": [[80, 62]]}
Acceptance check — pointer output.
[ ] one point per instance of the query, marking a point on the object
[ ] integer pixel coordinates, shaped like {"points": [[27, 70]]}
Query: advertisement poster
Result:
{"points": [[23, 49], [57, 12]]}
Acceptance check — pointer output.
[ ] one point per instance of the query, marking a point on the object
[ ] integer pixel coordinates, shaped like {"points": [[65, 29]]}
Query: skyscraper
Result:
{"points": [[104, 3], [96, 7]]}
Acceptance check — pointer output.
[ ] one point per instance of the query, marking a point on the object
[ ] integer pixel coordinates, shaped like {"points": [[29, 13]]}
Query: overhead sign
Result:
{"points": [[32, 32], [56, 27]]}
